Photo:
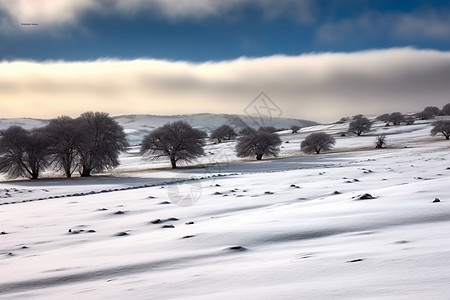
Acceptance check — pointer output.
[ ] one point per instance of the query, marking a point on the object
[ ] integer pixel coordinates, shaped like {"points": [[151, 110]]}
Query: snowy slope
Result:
{"points": [[137, 126], [287, 228]]}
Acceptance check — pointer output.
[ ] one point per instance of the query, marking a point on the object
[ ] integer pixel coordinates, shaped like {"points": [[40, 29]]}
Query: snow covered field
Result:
{"points": [[294, 227]]}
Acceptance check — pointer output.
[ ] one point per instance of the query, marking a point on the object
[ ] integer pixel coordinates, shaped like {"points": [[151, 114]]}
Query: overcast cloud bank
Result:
{"points": [[321, 87]]}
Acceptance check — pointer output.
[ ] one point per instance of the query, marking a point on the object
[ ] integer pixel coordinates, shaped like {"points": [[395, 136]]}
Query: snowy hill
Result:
{"points": [[137, 126], [354, 223]]}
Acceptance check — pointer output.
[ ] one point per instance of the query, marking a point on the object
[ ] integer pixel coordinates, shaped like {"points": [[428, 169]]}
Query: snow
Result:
{"points": [[304, 232]]}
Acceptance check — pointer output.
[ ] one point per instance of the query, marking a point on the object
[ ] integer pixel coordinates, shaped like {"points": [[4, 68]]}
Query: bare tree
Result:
{"points": [[178, 141], [359, 125], [23, 152], [423, 115], [380, 141], [429, 112], [445, 111], [409, 120], [432, 111], [317, 142], [245, 131], [384, 118], [442, 127], [258, 143], [103, 141], [295, 128], [65, 137], [396, 118], [223, 132]]}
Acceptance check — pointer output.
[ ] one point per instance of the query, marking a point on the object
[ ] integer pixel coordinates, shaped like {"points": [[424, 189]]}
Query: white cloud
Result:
{"points": [[321, 87], [51, 14], [427, 24]]}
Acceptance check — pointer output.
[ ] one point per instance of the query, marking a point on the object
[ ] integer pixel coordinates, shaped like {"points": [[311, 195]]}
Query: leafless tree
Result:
{"points": [[380, 141], [178, 141], [295, 128], [384, 118], [445, 111], [65, 137], [258, 143], [359, 125], [432, 110], [246, 131], [396, 118], [223, 132], [23, 152], [428, 113], [442, 127], [409, 120], [317, 142], [103, 140]]}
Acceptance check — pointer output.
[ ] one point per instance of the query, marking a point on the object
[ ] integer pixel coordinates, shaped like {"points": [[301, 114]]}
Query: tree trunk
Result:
{"points": [[258, 156], [35, 175], [86, 172], [68, 173], [173, 162]]}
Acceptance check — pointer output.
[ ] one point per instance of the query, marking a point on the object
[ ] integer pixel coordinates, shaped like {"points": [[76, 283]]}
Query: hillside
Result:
{"points": [[137, 126], [355, 223]]}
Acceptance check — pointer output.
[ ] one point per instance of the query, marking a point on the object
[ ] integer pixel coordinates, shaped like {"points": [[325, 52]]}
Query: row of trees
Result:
{"points": [[361, 124], [93, 142], [89, 143], [178, 141]]}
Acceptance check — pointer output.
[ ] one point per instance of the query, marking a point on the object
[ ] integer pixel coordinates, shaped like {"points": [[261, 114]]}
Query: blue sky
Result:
{"points": [[233, 35], [244, 28]]}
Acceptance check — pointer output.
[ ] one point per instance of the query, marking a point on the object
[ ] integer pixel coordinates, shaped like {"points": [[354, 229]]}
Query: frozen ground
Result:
{"points": [[287, 228]]}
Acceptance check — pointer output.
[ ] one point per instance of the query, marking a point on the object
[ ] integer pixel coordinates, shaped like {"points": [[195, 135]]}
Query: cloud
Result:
{"points": [[55, 15], [425, 24], [321, 87]]}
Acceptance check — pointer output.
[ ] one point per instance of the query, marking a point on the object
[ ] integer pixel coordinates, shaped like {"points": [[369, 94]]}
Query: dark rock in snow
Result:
{"points": [[355, 260], [119, 212], [366, 197], [168, 226], [122, 233], [164, 202], [189, 223], [336, 193], [436, 200], [156, 221], [237, 248], [188, 236]]}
